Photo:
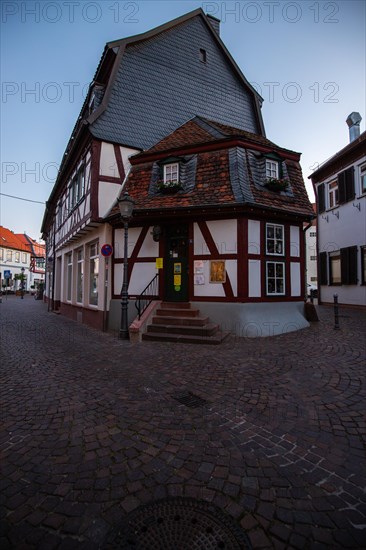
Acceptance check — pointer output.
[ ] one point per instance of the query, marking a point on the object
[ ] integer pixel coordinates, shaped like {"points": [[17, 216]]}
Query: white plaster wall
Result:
{"points": [[294, 241], [224, 233], [141, 276], [126, 152], [199, 243], [108, 163], [254, 237], [133, 235], [295, 279], [107, 195], [254, 279], [149, 248]]}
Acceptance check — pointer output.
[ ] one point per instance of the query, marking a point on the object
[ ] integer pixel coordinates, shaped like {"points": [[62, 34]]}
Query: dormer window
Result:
{"points": [[272, 170], [171, 173]]}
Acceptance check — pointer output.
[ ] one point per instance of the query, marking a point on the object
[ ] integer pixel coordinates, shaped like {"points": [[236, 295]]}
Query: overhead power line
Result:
{"points": [[21, 198]]}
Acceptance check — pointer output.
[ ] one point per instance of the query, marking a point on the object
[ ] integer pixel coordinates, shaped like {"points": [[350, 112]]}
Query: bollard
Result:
{"points": [[312, 296], [336, 312]]}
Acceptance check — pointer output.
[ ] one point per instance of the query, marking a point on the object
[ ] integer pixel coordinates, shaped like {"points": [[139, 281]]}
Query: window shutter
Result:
{"points": [[346, 185], [323, 268], [321, 198], [349, 265]]}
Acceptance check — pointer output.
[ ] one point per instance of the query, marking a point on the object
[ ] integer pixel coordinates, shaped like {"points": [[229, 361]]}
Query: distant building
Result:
{"points": [[340, 188], [311, 253], [17, 252]]}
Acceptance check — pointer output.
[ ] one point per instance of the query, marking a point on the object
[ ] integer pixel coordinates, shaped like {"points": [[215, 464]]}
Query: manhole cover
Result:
{"points": [[179, 524], [189, 399]]}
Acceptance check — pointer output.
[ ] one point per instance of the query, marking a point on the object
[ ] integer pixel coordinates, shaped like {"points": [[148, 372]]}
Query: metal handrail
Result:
{"points": [[150, 292]]}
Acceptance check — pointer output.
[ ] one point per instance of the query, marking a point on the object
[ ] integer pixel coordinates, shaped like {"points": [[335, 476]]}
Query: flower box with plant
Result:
{"points": [[274, 184], [169, 187]]}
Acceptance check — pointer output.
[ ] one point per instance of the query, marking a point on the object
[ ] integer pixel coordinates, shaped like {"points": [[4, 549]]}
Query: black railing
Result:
{"points": [[150, 292]]}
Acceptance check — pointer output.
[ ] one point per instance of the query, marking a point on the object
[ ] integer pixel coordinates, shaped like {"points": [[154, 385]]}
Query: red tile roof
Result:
{"points": [[9, 240], [217, 180]]}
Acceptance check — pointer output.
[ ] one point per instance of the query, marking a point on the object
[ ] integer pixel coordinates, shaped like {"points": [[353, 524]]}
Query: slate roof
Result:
{"points": [[220, 166]]}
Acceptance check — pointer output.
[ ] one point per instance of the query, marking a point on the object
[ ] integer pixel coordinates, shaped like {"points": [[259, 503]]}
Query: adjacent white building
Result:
{"points": [[340, 188]]}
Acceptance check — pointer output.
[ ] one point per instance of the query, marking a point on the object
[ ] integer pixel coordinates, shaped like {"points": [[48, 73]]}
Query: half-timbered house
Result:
{"points": [[146, 87], [229, 240]]}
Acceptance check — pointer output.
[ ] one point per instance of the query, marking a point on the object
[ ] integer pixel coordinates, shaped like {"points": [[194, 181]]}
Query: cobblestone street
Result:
{"points": [[93, 427]]}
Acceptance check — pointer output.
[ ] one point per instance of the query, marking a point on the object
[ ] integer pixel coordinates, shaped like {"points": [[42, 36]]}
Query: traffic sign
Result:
{"points": [[7, 274], [107, 250]]}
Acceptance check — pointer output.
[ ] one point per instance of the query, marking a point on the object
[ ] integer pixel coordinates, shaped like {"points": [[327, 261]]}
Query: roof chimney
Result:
{"points": [[215, 23], [353, 122]]}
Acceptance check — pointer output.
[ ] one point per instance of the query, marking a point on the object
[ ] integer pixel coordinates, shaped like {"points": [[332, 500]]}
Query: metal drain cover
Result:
{"points": [[179, 524], [189, 399]]}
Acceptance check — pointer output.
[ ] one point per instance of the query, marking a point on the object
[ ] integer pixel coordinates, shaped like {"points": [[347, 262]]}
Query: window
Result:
{"points": [[346, 185], [274, 239], [275, 278], [17, 257], [313, 279], [321, 198], [79, 275], [24, 258], [9, 255], [335, 268], [272, 169], [363, 178], [203, 55], [313, 258], [93, 274], [333, 194], [323, 268], [363, 265], [312, 234], [171, 173], [1, 253], [40, 263], [68, 277], [80, 183]]}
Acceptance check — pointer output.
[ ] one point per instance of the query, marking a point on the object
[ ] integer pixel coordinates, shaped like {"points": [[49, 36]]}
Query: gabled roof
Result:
{"points": [[8, 239], [335, 162], [119, 47], [220, 167]]}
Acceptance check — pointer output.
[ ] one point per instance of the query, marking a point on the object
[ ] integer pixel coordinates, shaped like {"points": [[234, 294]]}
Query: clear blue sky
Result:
{"points": [[306, 58]]}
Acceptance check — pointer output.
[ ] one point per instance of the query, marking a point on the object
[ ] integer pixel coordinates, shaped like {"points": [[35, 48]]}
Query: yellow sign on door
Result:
{"points": [[177, 280], [159, 263]]}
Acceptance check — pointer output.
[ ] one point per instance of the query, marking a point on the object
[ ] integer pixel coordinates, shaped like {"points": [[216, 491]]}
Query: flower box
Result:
{"points": [[169, 188], [273, 184]]}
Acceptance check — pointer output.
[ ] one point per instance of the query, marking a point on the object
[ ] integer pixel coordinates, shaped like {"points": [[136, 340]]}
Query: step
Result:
{"points": [[185, 338], [175, 305], [191, 321], [209, 329], [177, 312]]}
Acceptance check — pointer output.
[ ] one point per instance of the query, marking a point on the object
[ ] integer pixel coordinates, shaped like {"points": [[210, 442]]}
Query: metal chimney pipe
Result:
{"points": [[353, 122]]}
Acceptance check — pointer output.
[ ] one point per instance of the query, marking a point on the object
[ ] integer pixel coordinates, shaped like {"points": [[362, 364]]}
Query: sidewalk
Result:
{"points": [[93, 427]]}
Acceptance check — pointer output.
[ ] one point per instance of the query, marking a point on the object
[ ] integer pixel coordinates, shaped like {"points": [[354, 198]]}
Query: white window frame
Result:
{"points": [[17, 257], [169, 170], [276, 241], [275, 278], [333, 194], [9, 255], [79, 275], [362, 177], [93, 260], [272, 169], [335, 258], [24, 257], [69, 272]]}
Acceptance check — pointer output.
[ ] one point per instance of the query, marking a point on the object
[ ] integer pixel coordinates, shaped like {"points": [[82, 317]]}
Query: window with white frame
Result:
{"points": [[1, 253], [272, 169], [333, 196], [313, 258], [24, 257], [17, 257], [171, 173], [93, 274], [363, 178], [275, 239], [69, 277], [275, 278], [80, 187], [335, 277], [79, 275], [312, 234], [9, 255]]}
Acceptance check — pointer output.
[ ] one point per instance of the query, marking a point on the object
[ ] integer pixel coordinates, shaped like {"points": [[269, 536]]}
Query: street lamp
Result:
{"points": [[125, 205], [22, 269]]}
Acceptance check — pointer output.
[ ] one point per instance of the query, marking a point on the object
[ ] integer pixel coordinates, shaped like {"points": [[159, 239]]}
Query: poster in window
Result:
{"points": [[217, 271]]}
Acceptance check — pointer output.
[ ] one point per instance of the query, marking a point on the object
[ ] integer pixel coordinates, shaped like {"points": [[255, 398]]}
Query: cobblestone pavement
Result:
{"points": [[92, 427]]}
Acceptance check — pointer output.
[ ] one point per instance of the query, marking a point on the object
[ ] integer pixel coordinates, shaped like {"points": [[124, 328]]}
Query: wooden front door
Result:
{"points": [[176, 264]]}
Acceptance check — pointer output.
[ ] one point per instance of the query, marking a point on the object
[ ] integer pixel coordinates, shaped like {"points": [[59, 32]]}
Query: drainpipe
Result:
{"points": [[306, 262]]}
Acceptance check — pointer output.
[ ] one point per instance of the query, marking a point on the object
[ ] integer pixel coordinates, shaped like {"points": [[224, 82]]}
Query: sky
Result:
{"points": [[306, 59]]}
